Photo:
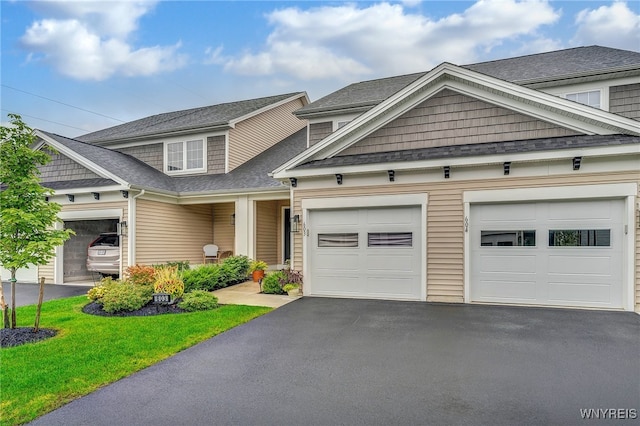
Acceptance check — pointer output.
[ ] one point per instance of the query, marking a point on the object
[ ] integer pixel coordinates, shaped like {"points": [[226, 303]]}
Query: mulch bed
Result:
{"points": [[21, 335], [94, 308]]}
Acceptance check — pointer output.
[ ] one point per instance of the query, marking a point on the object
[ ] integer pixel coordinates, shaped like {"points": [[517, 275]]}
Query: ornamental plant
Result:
{"points": [[198, 300], [141, 275], [168, 281]]}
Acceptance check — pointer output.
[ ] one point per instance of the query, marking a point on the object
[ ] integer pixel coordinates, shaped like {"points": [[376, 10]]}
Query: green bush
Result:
{"points": [[169, 281], [235, 269], [124, 296], [198, 300], [96, 293], [205, 277], [272, 283], [182, 265]]}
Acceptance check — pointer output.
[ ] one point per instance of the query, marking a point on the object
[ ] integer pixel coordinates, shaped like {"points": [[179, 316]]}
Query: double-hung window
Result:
{"points": [[185, 156]]}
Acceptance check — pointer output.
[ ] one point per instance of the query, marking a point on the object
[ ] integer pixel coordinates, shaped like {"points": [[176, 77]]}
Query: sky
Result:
{"points": [[73, 67]]}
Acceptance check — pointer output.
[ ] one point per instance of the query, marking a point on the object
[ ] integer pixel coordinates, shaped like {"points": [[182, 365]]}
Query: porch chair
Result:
{"points": [[210, 253]]}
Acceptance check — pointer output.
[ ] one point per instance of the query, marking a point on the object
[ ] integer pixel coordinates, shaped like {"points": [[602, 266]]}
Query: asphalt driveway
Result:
{"points": [[323, 361], [27, 293]]}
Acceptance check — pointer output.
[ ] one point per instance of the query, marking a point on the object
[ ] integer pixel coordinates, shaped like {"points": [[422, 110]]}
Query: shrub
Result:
{"points": [[182, 265], [293, 277], [235, 269], [168, 281], [140, 275], [258, 265], [124, 296], [272, 283], [198, 300], [288, 287], [96, 293], [205, 277]]}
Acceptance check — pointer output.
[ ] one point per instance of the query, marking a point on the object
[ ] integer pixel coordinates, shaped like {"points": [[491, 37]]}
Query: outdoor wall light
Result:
{"points": [[339, 178], [125, 194], [507, 167], [46, 199], [447, 171], [122, 228], [295, 223], [392, 175], [71, 197], [233, 219], [294, 182], [96, 195], [576, 163]]}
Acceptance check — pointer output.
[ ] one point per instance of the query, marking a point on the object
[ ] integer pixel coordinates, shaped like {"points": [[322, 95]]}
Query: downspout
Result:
{"points": [[131, 249]]}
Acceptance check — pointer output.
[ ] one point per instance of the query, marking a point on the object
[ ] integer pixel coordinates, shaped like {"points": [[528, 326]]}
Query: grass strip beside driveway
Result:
{"points": [[90, 352]]}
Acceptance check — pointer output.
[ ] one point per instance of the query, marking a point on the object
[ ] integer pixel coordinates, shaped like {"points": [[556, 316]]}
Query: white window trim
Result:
{"points": [[582, 88], [185, 171]]}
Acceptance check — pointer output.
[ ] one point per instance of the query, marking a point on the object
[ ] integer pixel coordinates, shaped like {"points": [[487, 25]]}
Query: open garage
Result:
{"points": [[75, 248]]}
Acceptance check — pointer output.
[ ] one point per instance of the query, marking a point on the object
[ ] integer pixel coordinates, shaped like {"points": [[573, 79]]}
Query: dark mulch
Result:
{"points": [[94, 308], [21, 335]]}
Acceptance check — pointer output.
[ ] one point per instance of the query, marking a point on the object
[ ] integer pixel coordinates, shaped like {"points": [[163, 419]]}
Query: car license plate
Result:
{"points": [[102, 252]]}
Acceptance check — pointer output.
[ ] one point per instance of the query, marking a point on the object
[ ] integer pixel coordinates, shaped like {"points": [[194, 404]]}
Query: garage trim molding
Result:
{"points": [[58, 272], [418, 199], [626, 191]]}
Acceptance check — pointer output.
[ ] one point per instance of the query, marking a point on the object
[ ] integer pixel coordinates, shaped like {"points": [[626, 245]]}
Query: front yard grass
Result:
{"points": [[90, 352]]}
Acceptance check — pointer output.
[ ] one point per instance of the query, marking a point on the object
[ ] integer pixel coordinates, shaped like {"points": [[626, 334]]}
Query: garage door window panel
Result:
{"points": [[580, 238], [340, 240], [390, 239], [507, 238]]}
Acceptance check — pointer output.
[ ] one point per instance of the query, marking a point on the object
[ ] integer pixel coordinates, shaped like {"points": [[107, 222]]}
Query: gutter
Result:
{"points": [[131, 218]]}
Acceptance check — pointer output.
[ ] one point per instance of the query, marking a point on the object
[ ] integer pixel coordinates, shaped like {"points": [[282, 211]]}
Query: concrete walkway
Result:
{"points": [[248, 293]]}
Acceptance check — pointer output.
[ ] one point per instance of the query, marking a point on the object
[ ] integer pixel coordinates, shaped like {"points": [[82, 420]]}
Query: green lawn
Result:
{"points": [[91, 351]]}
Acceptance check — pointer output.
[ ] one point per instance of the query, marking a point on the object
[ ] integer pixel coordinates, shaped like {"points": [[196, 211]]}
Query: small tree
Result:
{"points": [[27, 219]]}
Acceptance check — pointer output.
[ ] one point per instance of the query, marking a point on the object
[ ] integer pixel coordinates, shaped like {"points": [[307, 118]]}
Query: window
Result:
{"points": [[185, 156], [591, 98], [338, 240], [390, 239], [580, 238], [342, 124], [508, 238]]}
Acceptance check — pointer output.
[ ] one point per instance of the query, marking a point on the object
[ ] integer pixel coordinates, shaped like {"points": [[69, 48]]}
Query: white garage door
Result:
{"points": [[366, 253], [555, 253]]}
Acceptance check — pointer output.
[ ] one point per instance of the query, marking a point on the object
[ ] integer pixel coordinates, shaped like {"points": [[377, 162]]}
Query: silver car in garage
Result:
{"points": [[103, 255]]}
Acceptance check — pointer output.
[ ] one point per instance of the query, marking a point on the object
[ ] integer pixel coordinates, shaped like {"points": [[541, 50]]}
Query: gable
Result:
{"points": [[451, 118], [63, 168]]}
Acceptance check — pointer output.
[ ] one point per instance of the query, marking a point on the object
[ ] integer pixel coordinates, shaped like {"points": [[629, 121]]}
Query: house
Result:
{"points": [[512, 181], [174, 182]]}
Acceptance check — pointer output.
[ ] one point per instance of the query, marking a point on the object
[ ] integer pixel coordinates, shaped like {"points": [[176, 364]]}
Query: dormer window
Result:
{"points": [[591, 98], [185, 157]]}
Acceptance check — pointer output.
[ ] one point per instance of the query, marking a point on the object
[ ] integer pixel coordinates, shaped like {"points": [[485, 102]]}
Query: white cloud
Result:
{"points": [[89, 41], [346, 41], [614, 25]]}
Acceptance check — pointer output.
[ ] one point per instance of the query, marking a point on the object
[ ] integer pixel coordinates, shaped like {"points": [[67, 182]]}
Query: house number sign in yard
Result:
{"points": [[161, 298]]}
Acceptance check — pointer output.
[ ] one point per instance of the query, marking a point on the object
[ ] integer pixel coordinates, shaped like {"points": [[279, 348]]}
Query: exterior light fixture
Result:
{"points": [[294, 182], [392, 175], [447, 171], [507, 167], [576, 163], [125, 194], [233, 219], [122, 228], [96, 195], [46, 199], [339, 178], [71, 197], [295, 223]]}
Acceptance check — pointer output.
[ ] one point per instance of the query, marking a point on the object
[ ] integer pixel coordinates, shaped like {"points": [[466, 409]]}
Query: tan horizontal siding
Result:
{"points": [[224, 233], [169, 232], [445, 222], [254, 135], [266, 231], [46, 271], [451, 118]]}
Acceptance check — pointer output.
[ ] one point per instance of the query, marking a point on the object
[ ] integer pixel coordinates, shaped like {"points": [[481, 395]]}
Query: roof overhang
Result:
{"points": [[550, 108]]}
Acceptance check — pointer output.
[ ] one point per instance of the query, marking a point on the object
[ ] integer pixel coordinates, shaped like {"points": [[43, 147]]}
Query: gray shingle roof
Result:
{"points": [[575, 61], [203, 117], [460, 151], [254, 174]]}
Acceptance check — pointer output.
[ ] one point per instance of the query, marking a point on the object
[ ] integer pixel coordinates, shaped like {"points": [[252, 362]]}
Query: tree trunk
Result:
{"points": [[13, 297], [3, 307], [36, 326]]}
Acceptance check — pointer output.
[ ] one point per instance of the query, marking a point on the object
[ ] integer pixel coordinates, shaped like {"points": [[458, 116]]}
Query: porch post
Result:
{"points": [[245, 225]]}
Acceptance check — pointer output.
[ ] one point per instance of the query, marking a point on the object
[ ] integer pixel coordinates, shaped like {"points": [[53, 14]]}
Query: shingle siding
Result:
{"points": [[319, 131], [152, 154], [62, 168], [215, 154], [625, 100], [451, 118]]}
